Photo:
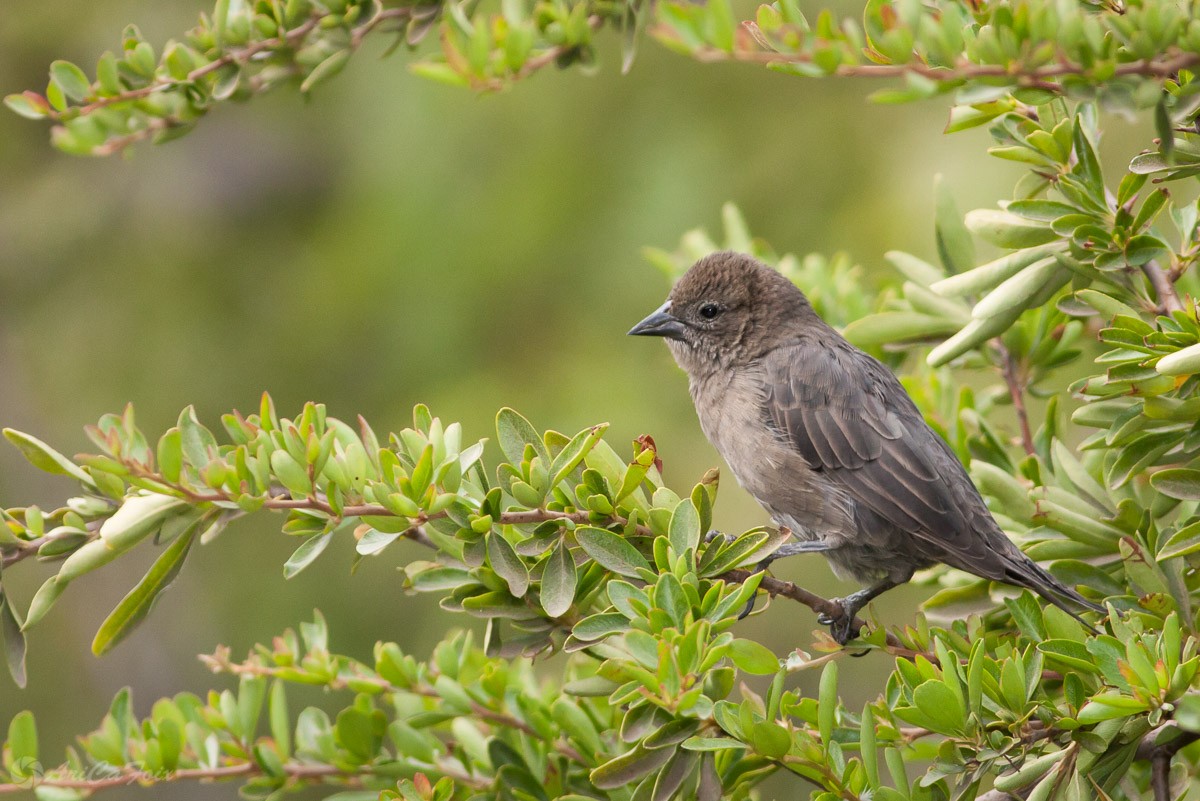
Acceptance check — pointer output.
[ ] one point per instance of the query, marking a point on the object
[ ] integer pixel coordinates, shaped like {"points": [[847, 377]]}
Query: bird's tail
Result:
{"points": [[1024, 572]]}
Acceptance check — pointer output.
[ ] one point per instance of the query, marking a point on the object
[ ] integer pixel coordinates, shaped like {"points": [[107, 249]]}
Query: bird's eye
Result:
{"points": [[709, 310]]}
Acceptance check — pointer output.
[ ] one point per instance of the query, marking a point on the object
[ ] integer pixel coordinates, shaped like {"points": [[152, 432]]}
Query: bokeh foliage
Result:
{"points": [[570, 546]]}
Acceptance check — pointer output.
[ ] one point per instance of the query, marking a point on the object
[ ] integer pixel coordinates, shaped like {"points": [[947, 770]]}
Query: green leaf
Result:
{"points": [[292, 474], [1008, 230], [1144, 248], [1184, 541], [595, 627], [70, 79], [170, 455], [770, 739], [611, 550], [43, 457], [1027, 614], [974, 334], [752, 657], [1108, 706], [940, 707], [1181, 362], [896, 326], [916, 270], [12, 638], [196, 441], [670, 597], [507, 564], [1021, 291], [629, 767], [139, 517], [672, 733], [1148, 163], [991, 274], [721, 24], [574, 452], [1187, 712], [514, 432], [674, 774], [27, 105], [277, 712], [43, 599], [1074, 655], [306, 554], [954, 245], [738, 553], [328, 68], [559, 580], [827, 701], [438, 71], [23, 739], [1182, 483], [360, 732], [867, 748], [713, 744], [134, 607], [1029, 772], [684, 529], [108, 74]]}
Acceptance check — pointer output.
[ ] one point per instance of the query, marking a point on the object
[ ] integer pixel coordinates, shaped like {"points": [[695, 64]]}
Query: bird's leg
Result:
{"points": [[841, 628], [793, 548]]}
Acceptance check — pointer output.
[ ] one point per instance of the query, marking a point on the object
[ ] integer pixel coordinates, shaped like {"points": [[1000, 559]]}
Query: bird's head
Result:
{"points": [[727, 309]]}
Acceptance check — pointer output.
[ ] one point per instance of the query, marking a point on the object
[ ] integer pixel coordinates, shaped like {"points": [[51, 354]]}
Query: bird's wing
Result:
{"points": [[848, 417]]}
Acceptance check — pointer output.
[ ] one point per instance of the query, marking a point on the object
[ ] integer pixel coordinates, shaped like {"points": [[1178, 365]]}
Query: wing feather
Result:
{"points": [[849, 418]]}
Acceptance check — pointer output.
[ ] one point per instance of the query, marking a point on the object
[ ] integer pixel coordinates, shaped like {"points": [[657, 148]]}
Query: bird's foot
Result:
{"points": [[713, 534], [842, 628]]}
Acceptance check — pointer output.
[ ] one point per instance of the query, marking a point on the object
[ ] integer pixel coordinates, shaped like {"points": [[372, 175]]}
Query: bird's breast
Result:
{"points": [[730, 409]]}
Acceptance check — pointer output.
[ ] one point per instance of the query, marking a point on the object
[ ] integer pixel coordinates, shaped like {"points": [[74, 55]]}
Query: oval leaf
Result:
{"points": [[137, 604], [558, 582], [611, 550]]}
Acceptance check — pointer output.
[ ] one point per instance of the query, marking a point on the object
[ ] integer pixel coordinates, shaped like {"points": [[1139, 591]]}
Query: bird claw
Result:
{"points": [[841, 628]]}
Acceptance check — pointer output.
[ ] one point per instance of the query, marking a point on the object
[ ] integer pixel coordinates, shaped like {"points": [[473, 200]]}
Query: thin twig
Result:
{"points": [[1016, 391], [131, 775], [1168, 298], [822, 606], [1167, 65], [1160, 757], [239, 56]]}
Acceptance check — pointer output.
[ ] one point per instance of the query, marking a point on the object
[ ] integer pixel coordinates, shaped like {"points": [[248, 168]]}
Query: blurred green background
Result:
{"points": [[394, 241]]}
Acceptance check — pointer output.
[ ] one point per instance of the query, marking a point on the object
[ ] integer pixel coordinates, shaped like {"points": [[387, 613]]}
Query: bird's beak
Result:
{"points": [[659, 324]]}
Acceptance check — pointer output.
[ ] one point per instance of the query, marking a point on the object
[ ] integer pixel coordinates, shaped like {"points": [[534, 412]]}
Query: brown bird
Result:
{"points": [[827, 440]]}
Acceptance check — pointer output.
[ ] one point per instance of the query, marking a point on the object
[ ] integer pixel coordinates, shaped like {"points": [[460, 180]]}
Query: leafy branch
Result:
{"points": [[1129, 55]]}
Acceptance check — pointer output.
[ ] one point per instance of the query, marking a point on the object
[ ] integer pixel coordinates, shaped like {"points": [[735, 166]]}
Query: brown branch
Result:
{"points": [[786, 589], [1168, 298], [1160, 757], [242, 55], [1016, 391], [1167, 65], [130, 775], [553, 54], [239, 56]]}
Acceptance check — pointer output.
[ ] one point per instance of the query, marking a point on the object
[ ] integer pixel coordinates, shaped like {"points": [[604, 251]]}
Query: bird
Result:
{"points": [[827, 440]]}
